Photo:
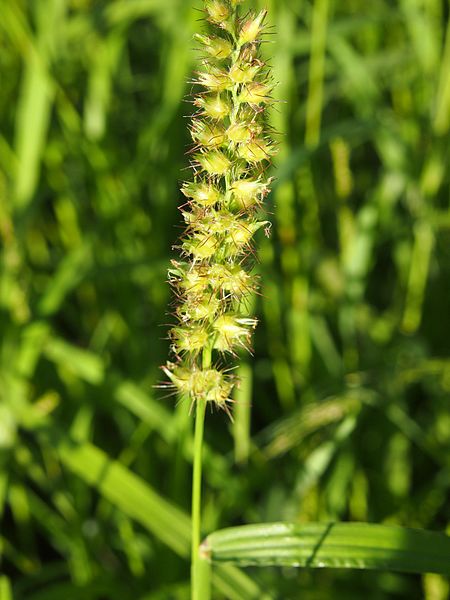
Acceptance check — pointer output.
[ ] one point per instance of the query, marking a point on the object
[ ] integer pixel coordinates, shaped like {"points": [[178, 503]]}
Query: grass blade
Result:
{"points": [[418, 276], [5, 589], [442, 114], [138, 500], [35, 101], [128, 492], [316, 72], [333, 545], [242, 412]]}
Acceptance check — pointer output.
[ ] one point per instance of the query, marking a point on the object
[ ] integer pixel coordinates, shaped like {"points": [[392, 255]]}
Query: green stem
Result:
{"points": [[316, 72], [199, 587]]}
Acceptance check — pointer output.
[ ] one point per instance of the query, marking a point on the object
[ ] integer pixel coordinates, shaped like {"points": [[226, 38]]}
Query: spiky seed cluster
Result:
{"points": [[231, 150]]}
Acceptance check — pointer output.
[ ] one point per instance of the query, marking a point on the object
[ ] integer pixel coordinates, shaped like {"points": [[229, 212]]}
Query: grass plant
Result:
{"points": [[214, 287], [344, 417]]}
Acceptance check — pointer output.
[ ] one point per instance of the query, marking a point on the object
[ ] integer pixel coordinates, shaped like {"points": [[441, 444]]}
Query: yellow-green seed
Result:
{"points": [[218, 11], [216, 106], [252, 27], [209, 135], [256, 151], [190, 339], [203, 193], [199, 307], [243, 73], [239, 133], [255, 92], [215, 80], [248, 192], [202, 246], [232, 331], [214, 162], [217, 47]]}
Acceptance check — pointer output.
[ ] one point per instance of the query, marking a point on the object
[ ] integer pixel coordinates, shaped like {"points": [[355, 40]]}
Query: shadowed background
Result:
{"points": [[342, 413]]}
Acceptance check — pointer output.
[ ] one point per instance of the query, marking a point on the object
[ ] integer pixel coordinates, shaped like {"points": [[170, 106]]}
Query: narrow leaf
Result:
{"points": [[333, 545], [129, 493], [138, 500]]}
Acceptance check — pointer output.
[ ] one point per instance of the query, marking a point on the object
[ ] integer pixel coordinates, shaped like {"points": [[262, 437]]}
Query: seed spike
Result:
{"points": [[232, 148]]}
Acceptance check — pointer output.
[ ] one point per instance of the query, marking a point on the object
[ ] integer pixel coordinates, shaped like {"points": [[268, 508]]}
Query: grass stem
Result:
{"points": [[197, 587]]}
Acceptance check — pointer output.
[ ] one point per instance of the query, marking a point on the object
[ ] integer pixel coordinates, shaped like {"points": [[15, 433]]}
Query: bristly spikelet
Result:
{"points": [[231, 151]]}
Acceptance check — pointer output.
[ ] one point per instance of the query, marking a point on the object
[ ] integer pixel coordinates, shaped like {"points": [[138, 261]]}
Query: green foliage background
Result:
{"points": [[343, 411]]}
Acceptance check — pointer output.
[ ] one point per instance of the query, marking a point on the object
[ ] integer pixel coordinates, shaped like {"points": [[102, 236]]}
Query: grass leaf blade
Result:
{"points": [[333, 545]]}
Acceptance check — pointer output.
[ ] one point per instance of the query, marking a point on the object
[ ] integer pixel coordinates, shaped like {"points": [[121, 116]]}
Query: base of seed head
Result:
{"points": [[207, 385]]}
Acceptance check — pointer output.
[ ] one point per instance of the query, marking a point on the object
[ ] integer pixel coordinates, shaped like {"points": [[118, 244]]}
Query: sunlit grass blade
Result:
{"points": [[138, 500], [35, 100], [119, 11], [242, 412], [360, 82], [442, 114], [320, 458], [69, 274], [314, 105], [33, 119], [104, 64], [324, 343], [5, 589], [418, 276], [128, 492], [333, 545], [236, 585], [82, 363], [288, 433], [141, 404], [272, 314]]}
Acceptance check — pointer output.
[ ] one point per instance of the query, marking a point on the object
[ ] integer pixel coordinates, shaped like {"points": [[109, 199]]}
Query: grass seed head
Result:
{"points": [[232, 147]]}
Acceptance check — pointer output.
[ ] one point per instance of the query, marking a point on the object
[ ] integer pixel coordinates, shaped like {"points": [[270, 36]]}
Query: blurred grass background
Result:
{"points": [[343, 413]]}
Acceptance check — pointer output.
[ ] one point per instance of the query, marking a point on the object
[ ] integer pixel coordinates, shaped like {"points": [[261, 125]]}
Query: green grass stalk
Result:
{"points": [[196, 578], [196, 498], [316, 72]]}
